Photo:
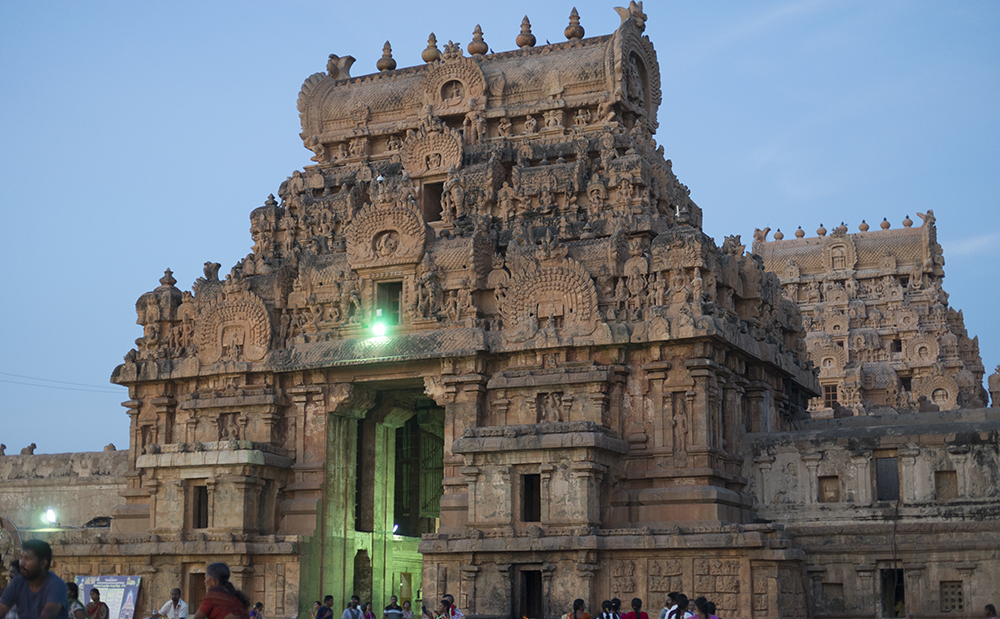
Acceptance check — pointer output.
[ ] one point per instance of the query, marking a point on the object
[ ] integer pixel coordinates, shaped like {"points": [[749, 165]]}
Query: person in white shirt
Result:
{"points": [[671, 605], [175, 608]]}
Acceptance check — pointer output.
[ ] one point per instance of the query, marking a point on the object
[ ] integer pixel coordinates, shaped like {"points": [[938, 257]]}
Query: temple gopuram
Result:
{"points": [[879, 326], [482, 346]]}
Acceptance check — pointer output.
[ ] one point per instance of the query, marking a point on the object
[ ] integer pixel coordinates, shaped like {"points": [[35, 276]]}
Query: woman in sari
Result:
{"points": [[222, 600], [96, 609]]}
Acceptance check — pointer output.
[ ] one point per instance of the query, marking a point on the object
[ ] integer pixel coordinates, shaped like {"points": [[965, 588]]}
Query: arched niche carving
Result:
{"points": [[384, 235], [922, 350], [450, 85], [839, 253], [635, 72], [236, 327], [940, 390], [560, 297], [432, 151]]}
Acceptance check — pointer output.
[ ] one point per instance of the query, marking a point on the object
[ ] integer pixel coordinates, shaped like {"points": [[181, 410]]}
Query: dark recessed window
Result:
{"points": [[431, 201], [531, 498], [389, 302], [199, 512], [887, 478]]}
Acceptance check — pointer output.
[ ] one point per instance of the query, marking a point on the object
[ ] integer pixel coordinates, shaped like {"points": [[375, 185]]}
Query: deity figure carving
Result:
{"points": [[530, 126], [505, 129]]}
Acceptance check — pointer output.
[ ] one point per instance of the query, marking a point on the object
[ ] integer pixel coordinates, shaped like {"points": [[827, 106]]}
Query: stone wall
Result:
{"points": [[863, 496], [78, 486]]}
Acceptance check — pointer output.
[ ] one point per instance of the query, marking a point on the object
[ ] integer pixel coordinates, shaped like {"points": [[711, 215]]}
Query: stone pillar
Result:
{"points": [[471, 475], [764, 464], [545, 476], [812, 461], [816, 573], [587, 571], [345, 405], [656, 373], [908, 459], [468, 591], [863, 479], [588, 477], [507, 592], [913, 573], [864, 603], [548, 569]]}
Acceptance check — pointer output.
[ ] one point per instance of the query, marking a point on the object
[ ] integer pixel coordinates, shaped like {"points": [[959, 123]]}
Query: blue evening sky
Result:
{"points": [[136, 136]]}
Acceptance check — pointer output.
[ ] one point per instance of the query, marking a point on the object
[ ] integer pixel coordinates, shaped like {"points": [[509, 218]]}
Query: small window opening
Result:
{"points": [[897, 345], [907, 383], [431, 201], [904, 281], [829, 489], [829, 396], [887, 478], [951, 596], [199, 512], [531, 498], [945, 485], [389, 302]]}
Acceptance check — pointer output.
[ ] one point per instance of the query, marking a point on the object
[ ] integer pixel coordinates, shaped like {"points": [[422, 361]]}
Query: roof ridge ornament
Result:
{"points": [[574, 30], [339, 68], [525, 39], [432, 53], [634, 11], [478, 47], [386, 62]]}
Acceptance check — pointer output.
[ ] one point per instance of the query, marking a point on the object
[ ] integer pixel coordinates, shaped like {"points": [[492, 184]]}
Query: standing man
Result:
{"points": [[326, 610], [175, 608], [37, 592], [393, 611], [351, 612]]}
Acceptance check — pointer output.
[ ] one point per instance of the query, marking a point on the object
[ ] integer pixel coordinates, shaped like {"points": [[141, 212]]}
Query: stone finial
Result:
{"points": [[574, 30], [821, 231], [800, 233], [168, 278], [432, 52], [907, 222], [885, 224], [3, 449], [779, 235], [841, 229], [270, 202], [339, 68], [864, 226], [478, 47], [386, 62], [525, 39]]}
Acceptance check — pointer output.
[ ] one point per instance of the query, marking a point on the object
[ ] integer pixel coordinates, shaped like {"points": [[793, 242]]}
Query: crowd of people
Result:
{"points": [[678, 606], [445, 609], [34, 592]]}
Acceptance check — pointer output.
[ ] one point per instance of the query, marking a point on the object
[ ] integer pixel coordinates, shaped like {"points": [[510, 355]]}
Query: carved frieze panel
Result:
{"points": [[432, 150], [236, 327], [384, 235], [450, 86], [560, 297]]}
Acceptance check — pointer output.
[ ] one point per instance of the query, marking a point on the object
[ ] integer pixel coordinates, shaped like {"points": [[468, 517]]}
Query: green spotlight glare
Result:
{"points": [[378, 329]]}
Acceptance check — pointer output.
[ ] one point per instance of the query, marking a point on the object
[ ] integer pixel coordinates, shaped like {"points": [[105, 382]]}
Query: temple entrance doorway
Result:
{"points": [[399, 474]]}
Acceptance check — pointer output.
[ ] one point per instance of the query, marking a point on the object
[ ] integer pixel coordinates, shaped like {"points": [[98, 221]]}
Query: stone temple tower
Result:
{"points": [[481, 347]]}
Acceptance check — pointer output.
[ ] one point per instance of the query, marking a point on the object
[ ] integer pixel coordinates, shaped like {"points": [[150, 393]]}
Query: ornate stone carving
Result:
{"points": [[234, 326]]}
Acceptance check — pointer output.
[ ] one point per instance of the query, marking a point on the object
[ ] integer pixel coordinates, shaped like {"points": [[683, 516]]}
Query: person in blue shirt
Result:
{"points": [[37, 592]]}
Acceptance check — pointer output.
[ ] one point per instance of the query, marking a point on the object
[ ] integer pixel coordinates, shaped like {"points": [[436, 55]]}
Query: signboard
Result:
{"points": [[118, 592]]}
